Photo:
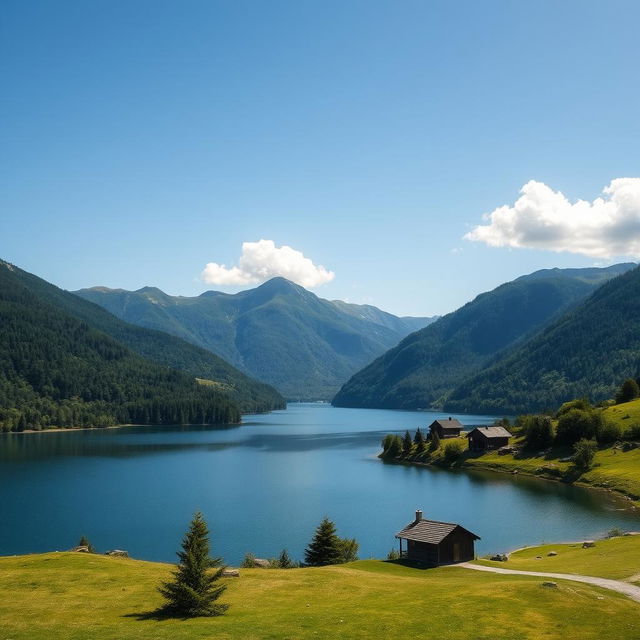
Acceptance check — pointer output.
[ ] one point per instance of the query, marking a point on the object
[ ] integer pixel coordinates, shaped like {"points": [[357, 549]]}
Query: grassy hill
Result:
{"points": [[67, 596], [278, 332], [426, 366], [160, 348], [585, 352]]}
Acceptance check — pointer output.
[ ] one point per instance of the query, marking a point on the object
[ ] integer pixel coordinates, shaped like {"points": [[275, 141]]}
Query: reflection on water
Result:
{"points": [[265, 485]]}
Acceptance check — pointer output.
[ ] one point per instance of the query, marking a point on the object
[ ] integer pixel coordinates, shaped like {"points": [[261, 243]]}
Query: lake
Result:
{"points": [[265, 485]]}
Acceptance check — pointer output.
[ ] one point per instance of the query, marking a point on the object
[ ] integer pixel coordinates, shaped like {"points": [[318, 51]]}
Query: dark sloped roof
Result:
{"points": [[492, 432], [453, 423], [430, 531]]}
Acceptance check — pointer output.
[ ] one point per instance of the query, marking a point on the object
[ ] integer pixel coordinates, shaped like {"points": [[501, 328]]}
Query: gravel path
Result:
{"points": [[614, 585]]}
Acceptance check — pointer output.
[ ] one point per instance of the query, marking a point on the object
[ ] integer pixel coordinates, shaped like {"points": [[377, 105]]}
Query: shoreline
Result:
{"points": [[633, 505]]}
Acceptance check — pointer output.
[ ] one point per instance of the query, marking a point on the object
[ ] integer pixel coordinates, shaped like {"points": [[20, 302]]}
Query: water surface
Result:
{"points": [[265, 485]]}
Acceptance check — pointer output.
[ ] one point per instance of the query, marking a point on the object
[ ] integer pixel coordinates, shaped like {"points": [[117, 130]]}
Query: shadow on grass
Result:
{"points": [[157, 615], [410, 564]]}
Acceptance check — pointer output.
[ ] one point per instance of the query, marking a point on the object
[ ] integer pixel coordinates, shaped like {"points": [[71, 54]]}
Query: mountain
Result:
{"points": [[426, 366], [56, 370], [588, 351], [278, 332], [155, 347]]}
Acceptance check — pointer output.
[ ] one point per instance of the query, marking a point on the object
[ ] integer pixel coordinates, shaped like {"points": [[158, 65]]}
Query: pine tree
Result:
{"points": [[193, 591], [325, 547], [407, 443], [435, 440], [285, 561], [418, 439], [84, 542]]}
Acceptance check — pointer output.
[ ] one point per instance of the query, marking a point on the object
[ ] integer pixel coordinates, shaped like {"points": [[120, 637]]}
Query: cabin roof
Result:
{"points": [[430, 531], [491, 432], [451, 423]]}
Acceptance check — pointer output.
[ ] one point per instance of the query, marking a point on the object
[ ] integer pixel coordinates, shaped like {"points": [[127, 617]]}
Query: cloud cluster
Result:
{"points": [[263, 260], [544, 219]]}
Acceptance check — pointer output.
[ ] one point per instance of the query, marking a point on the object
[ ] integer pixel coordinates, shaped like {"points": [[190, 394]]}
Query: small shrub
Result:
{"points": [[249, 561], [394, 554], [632, 432], [452, 451], [538, 432], [582, 404], [614, 533], [349, 549]]}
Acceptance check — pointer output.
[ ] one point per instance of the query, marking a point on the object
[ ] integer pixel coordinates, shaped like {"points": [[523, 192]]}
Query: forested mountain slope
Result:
{"points": [[278, 332], [427, 365], [586, 352], [56, 370], [163, 349]]}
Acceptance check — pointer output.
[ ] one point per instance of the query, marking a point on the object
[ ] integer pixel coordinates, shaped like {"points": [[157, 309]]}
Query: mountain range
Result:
{"points": [[65, 359], [426, 369], [278, 332]]}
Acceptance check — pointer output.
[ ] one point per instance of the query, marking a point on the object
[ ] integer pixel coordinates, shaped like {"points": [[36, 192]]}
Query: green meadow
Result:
{"points": [[74, 596]]}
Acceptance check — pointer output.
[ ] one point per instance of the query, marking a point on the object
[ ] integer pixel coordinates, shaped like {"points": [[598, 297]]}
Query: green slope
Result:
{"points": [[586, 352], [73, 596], [57, 370], [427, 365], [278, 332]]}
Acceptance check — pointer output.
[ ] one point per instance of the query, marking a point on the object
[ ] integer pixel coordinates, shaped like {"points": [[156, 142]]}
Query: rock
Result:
{"points": [[81, 549], [230, 573], [262, 563], [552, 553], [538, 557], [515, 472], [587, 544], [499, 557], [117, 553], [553, 585]]}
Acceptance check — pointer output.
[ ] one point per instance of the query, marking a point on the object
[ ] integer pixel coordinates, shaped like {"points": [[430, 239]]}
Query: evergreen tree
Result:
{"points": [[84, 542], [285, 561], [435, 440], [418, 439], [325, 547], [407, 443], [194, 589]]}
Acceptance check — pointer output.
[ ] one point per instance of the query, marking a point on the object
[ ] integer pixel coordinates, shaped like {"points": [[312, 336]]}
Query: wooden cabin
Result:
{"points": [[435, 543], [485, 438], [446, 428]]}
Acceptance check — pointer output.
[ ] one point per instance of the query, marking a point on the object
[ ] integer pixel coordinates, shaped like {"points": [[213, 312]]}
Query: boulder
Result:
{"points": [[552, 553], [117, 553], [499, 557], [81, 549], [588, 544], [230, 573], [552, 585], [262, 563]]}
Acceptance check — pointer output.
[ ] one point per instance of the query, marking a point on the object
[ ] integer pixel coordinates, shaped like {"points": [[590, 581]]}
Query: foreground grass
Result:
{"points": [[76, 596], [615, 558]]}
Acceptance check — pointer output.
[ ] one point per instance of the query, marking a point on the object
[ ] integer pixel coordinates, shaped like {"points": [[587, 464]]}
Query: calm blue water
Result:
{"points": [[266, 485]]}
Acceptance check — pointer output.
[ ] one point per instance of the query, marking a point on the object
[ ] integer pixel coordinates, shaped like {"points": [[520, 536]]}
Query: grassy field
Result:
{"points": [[76, 597], [624, 414], [616, 558]]}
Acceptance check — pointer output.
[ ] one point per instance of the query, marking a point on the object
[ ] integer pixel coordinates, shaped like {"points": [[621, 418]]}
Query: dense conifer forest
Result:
{"points": [[58, 371]]}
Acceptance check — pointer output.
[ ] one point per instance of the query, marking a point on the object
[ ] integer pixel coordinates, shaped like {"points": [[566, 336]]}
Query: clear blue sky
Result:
{"points": [[141, 139]]}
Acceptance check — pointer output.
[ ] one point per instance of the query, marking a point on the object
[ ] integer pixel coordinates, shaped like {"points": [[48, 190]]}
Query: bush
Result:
{"points": [[349, 549], [538, 432], [394, 554], [608, 431], [578, 424], [628, 391], [614, 533], [633, 432], [249, 561], [584, 451], [580, 403], [452, 451]]}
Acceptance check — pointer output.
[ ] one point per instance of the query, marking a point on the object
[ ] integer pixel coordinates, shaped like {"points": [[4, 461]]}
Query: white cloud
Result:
{"points": [[544, 219], [263, 260]]}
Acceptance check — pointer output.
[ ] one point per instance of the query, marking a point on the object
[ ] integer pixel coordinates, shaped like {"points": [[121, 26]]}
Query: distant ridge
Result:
{"points": [[278, 332], [425, 368], [586, 352]]}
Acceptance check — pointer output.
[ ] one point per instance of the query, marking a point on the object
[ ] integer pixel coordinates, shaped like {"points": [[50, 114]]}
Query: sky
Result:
{"points": [[406, 154]]}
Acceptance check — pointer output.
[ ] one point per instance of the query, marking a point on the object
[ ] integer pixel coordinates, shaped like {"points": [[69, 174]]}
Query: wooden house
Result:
{"points": [[435, 543], [446, 428], [485, 438]]}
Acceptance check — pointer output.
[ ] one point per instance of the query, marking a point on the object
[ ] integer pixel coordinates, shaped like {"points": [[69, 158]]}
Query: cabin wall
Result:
{"points": [[479, 442], [422, 552], [458, 546]]}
